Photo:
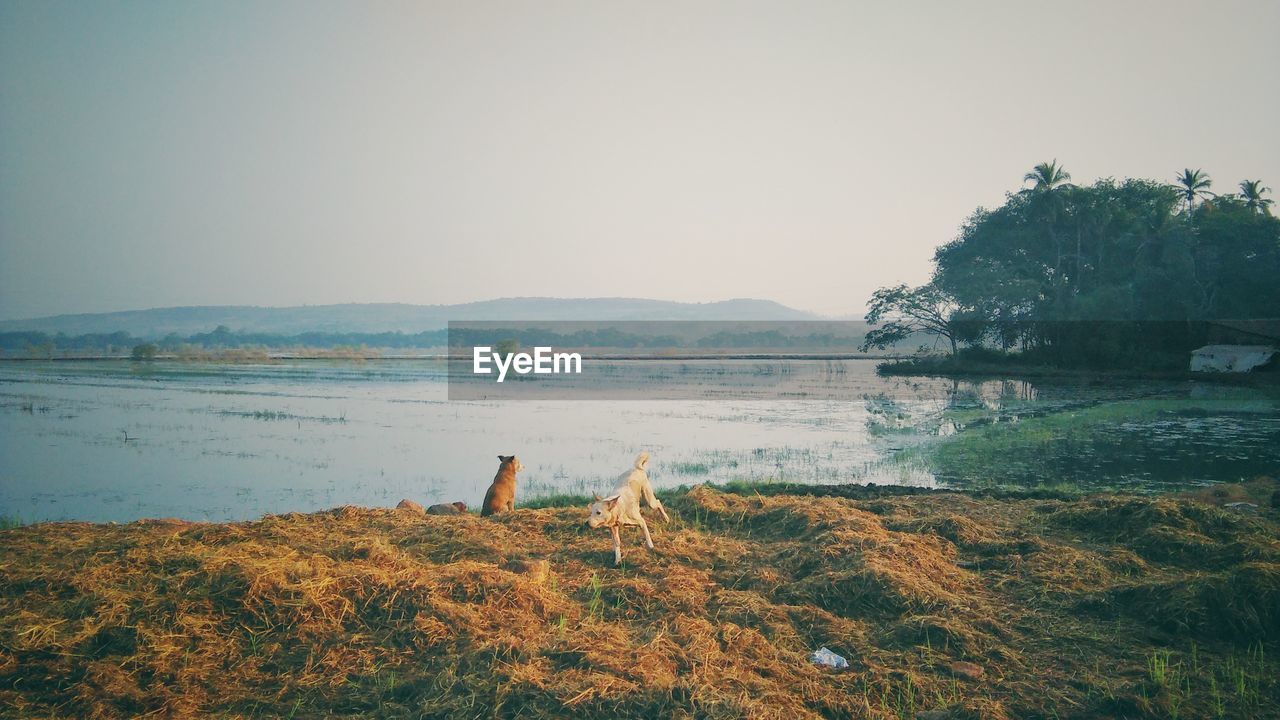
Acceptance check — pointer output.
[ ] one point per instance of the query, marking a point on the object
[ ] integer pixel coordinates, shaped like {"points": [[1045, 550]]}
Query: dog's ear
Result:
{"points": [[501, 459], [642, 460], [611, 501], [596, 495]]}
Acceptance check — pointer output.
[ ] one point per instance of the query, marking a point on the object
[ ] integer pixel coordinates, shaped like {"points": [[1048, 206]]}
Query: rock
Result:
{"points": [[453, 508], [966, 670], [411, 506], [1241, 506], [536, 570], [933, 715]]}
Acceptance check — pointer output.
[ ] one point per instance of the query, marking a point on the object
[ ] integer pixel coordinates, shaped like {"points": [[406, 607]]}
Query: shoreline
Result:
{"points": [[443, 357], [841, 491], [944, 369]]}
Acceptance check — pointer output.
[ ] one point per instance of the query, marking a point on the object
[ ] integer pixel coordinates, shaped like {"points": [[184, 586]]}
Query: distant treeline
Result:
{"points": [[222, 337], [616, 338], [38, 344]]}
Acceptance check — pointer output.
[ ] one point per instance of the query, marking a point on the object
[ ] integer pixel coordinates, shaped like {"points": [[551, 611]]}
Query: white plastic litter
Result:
{"points": [[823, 656]]}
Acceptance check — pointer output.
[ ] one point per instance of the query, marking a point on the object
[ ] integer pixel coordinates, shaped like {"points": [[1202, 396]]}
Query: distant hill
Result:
{"points": [[392, 317]]}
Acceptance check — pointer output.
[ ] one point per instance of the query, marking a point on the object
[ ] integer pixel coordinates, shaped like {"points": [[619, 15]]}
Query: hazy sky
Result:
{"points": [[284, 153]]}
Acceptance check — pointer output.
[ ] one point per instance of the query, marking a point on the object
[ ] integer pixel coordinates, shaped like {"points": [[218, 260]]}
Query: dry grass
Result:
{"points": [[1065, 604]]}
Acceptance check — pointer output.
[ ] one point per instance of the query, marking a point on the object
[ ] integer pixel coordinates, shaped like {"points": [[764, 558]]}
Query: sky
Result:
{"points": [[287, 153]]}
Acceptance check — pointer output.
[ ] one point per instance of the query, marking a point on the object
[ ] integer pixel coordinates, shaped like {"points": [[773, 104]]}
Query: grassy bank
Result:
{"points": [[992, 606], [940, 366], [1020, 444], [991, 364]]}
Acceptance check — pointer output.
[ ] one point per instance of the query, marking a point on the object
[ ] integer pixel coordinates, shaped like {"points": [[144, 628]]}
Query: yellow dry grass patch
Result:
{"points": [[382, 613]]}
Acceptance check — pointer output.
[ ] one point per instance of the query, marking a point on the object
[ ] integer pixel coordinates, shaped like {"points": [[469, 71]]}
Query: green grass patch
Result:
{"points": [[280, 415], [999, 445], [1079, 422], [554, 501], [691, 468]]}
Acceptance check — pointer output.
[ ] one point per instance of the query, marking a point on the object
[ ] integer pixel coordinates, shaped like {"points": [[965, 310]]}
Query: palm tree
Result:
{"points": [[1251, 191], [1046, 179], [1193, 184], [1047, 176]]}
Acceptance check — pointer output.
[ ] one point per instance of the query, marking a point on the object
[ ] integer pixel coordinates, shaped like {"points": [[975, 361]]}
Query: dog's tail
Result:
{"points": [[642, 460]]}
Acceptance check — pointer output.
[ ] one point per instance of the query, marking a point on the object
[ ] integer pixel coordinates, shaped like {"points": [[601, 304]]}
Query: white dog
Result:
{"points": [[623, 506]]}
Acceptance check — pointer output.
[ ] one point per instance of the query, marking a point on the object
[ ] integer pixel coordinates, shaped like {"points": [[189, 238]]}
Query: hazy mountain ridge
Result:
{"points": [[392, 317]]}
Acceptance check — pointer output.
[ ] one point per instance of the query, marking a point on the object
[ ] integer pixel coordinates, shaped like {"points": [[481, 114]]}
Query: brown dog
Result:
{"points": [[502, 493]]}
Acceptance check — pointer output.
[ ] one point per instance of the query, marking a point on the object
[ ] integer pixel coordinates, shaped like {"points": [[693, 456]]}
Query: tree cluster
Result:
{"points": [[1110, 273]]}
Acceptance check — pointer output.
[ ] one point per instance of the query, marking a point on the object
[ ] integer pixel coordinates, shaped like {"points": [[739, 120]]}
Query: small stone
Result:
{"points": [[536, 570], [411, 506], [454, 508], [1241, 506], [966, 670], [933, 715]]}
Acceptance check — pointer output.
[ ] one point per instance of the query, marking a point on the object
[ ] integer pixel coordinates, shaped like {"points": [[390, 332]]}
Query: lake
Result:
{"points": [[118, 441]]}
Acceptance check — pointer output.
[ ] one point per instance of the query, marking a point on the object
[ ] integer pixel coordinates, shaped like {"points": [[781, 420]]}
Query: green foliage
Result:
{"points": [[1251, 192], [555, 500], [145, 351], [1047, 176], [1111, 274], [504, 340], [39, 344], [1193, 184], [691, 468], [1012, 446], [595, 603], [902, 311]]}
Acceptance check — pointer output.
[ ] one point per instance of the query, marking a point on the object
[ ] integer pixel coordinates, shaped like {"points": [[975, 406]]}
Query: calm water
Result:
{"points": [[119, 441]]}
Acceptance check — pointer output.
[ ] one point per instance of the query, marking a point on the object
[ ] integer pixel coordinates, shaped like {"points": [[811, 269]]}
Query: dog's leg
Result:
{"points": [[617, 545], [654, 503], [648, 541]]}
